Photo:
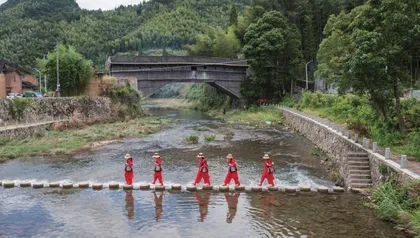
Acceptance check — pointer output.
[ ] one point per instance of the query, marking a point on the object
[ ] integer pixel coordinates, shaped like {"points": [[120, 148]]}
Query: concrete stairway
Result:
{"points": [[359, 170]]}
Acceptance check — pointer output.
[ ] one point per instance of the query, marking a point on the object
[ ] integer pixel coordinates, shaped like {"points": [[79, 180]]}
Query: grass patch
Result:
{"points": [[399, 204], [68, 141], [315, 151], [229, 135], [202, 128], [192, 139], [210, 138], [258, 116]]}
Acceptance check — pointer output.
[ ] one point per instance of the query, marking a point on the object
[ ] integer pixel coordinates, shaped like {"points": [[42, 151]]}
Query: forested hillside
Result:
{"points": [[30, 29]]}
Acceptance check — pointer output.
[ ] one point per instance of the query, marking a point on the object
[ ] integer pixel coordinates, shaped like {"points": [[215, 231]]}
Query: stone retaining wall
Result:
{"points": [[49, 109], [24, 131], [336, 147]]}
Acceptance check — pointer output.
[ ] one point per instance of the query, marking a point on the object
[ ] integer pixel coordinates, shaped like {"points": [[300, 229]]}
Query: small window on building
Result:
{"points": [[205, 67], [194, 68]]}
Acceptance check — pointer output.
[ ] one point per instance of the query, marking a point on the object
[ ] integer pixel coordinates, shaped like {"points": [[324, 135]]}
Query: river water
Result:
{"points": [[25, 212]]}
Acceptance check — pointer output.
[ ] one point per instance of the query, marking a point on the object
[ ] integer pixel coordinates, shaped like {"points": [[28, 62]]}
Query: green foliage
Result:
{"points": [[17, 107], [202, 128], [392, 201], [210, 138], [359, 114], [29, 28], [75, 71], [315, 151], [192, 139], [217, 43], [382, 169], [229, 135], [369, 49], [272, 50], [255, 116], [233, 16]]}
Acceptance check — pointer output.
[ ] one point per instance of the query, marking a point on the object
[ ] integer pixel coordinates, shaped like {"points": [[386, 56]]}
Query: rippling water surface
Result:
{"points": [[25, 212]]}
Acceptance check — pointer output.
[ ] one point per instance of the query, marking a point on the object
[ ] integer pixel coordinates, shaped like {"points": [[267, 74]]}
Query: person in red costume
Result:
{"points": [[158, 169], [203, 171], [268, 171], [128, 170], [232, 171]]}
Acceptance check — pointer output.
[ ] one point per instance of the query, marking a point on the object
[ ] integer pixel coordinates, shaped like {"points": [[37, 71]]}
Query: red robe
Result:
{"points": [[232, 175], [158, 171], [203, 172], [266, 174], [129, 174]]}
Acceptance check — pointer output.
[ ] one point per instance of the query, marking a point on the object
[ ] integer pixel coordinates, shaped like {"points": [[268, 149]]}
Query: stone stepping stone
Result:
{"points": [[54, 185], [8, 184], [191, 188], [114, 186], [338, 189], [322, 189], [159, 188], [84, 185], [176, 187], [67, 186], [305, 188], [256, 189], [144, 186], [1, 183], [273, 188], [25, 184], [223, 188], [240, 188], [127, 187], [208, 187], [97, 186], [290, 189], [38, 185]]}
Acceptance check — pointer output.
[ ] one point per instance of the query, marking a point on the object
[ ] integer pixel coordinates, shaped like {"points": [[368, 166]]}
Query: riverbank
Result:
{"points": [[58, 141]]}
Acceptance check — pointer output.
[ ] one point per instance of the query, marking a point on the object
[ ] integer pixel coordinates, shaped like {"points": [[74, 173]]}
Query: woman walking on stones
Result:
{"points": [[232, 171], [203, 171], [128, 170], [268, 171], [158, 169]]}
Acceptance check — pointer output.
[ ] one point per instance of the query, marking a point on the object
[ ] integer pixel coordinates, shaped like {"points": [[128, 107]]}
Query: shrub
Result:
{"points": [[202, 128], [229, 135], [210, 138], [192, 139]]}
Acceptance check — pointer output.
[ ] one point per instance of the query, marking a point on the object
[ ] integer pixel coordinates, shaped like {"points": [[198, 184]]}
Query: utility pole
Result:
{"points": [[306, 70], [57, 92]]}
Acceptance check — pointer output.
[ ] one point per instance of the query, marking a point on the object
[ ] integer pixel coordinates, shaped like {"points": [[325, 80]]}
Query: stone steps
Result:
{"points": [[359, 170], [360, 176], [361, 181], [358, 163], [361, 185]]}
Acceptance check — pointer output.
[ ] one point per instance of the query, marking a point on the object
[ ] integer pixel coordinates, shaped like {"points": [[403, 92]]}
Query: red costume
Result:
{"points": [[129, 174], [232, 172], [158, 171], [268, 172], [203, 172]]}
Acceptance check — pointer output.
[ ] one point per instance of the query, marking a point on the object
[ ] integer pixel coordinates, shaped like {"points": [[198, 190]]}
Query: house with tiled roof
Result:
{"points": [[15, 79]]}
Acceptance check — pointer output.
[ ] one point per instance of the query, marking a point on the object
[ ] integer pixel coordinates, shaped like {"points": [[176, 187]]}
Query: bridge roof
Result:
{"points": [[175, 60]]}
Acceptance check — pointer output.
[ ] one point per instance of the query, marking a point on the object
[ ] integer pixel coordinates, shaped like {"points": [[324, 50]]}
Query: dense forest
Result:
{"points": [[30, 29]]}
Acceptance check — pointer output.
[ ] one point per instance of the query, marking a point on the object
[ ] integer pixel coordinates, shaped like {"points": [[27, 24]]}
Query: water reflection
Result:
{"points": [[203, 200], [232, 201], [267, 200], [129, 204], [158, 205]]}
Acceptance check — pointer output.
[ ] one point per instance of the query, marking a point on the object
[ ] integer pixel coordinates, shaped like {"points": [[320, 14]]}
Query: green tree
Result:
{"points": [[368, 50], [75, 71], [272, 48], [233, 16]]}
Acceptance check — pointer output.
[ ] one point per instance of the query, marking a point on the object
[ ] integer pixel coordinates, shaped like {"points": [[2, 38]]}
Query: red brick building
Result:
{"points": [[14, 79]]}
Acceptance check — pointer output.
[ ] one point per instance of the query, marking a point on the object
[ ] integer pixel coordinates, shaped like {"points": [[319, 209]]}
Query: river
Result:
{"points": [[49, 212]]}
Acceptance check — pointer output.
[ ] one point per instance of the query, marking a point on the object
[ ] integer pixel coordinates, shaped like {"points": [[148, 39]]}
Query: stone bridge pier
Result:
{"points": [[154, 72]]}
